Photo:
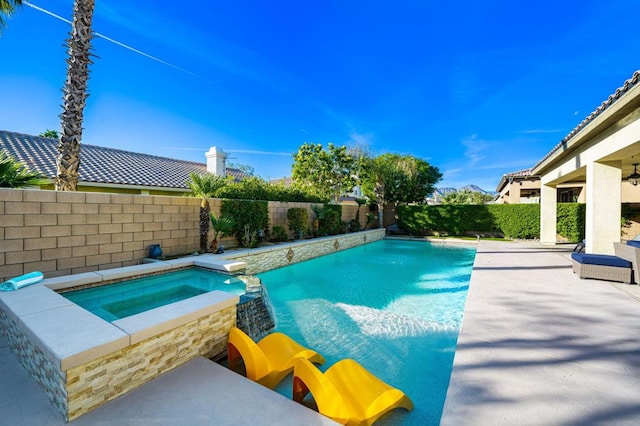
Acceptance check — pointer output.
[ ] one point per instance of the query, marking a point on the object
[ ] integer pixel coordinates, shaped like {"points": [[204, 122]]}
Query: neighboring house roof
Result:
{"points": [[106, 165], [526, 173], [620, 91], [287, 181]]}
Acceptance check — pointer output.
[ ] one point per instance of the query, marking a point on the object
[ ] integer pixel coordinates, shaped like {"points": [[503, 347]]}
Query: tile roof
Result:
{"points": [[507, 176], [105, 165], [620, 91], [519, 173]]}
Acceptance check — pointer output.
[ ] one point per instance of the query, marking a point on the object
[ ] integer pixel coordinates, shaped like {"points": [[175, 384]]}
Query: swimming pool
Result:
{"points": [[115, 301], [394, 306]]}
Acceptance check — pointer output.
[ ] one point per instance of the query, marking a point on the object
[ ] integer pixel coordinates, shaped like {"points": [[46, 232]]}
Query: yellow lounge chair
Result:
{"points": [[270, 360], [347, 392]]}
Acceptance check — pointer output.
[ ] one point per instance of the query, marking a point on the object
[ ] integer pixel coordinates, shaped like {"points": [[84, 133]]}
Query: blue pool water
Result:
{"points": [[115, 301], [394, 306]]}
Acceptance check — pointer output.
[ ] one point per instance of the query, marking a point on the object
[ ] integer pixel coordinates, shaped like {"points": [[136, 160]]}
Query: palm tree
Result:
{"points": [[7, 7], [74, 90], [52, 134], [14, 174], [222, 227], [205, 186], [74, 96]]}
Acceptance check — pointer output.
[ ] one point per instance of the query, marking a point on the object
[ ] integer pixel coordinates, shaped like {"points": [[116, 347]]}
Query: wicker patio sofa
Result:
{"points": [[602, 267], [630, 251]]}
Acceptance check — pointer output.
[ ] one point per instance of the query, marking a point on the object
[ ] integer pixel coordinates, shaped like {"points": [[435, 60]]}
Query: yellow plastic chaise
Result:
{"points": [[347, 392], [271, 359]]}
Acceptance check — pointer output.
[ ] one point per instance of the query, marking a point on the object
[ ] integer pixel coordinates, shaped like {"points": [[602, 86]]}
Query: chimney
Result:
{"points": [[216, 161]]}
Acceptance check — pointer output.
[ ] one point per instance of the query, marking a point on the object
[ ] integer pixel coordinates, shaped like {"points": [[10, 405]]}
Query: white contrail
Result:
{"points": [[97, 34], [250, 151], [235, 151]]}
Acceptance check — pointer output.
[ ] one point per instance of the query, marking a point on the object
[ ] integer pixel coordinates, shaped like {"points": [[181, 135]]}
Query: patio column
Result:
{"points": [[602, 221], [548, 214], [514, 192]]}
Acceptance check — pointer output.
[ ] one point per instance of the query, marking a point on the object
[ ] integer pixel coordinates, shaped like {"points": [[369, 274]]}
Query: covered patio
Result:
{"points": [[600, 152]]}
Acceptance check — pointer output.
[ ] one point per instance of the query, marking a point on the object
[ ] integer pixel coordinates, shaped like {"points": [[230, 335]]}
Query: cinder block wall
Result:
{"points": [[278, 214], [62, 233]]}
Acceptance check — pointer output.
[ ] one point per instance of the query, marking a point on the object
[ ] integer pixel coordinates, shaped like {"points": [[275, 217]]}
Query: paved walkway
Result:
{"points": [[538, 346], [199, 392]]}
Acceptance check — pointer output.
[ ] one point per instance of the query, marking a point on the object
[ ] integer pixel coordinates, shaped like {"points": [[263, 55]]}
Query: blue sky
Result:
{"points": [[478, 89]]}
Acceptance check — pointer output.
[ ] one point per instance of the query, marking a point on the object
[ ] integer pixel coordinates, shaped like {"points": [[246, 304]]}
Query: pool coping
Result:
{"points": [[71, 336], [81, 361], [502, 395]]}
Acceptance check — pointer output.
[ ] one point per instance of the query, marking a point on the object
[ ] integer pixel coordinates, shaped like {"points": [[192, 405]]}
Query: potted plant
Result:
{"points": [[222, 227]]}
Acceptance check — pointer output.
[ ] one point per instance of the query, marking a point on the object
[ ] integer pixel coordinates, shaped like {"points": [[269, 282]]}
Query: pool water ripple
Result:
{"points": [[394, 306]]}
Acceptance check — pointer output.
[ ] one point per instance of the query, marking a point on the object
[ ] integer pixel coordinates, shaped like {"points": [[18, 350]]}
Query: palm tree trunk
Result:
{"points": [[379, 192], [74, 96], [205, 218]]}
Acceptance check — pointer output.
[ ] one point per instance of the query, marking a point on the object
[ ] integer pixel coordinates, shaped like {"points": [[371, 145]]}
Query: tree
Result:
{"points": [[244, 168], [205, 186], [466, 197], [398, 179], [74, 90], [53, 134], [329, 173], [14, 174], [74, 96], [222, 227], [7, 7]]}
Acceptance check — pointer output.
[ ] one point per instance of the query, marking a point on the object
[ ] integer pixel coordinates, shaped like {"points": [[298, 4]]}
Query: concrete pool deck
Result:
{"points": [[538, 346]]}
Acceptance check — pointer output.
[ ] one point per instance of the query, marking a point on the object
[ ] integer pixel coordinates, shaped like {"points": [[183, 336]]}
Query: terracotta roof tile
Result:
{"points": [[519, 173], [105, 165]]}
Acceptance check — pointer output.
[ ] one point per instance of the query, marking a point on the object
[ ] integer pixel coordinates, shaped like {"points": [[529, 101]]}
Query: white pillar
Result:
{"points": [[548, 214], [216, 161], [602, 221]]}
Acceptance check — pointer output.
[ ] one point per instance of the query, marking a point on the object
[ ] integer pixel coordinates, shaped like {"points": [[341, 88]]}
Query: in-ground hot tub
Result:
{"points": [[82, 361], [122, 299]]}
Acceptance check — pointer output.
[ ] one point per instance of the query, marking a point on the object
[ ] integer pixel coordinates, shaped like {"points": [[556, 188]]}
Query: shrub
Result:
{"points": [[298, 219], [254, 188], [517, 220], [571, 221], [329, 219], [248, 217], [278, 233], [249, 237]]}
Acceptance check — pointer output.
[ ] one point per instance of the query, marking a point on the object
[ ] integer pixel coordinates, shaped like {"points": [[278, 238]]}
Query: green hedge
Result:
{"points": [[258, 189], [571, 222], [517, 220], [246, 215], [512, 220]]}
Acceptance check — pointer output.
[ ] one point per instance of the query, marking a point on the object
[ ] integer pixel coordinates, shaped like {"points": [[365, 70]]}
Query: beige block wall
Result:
{"points": [[278, 214], [63, 233]]}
